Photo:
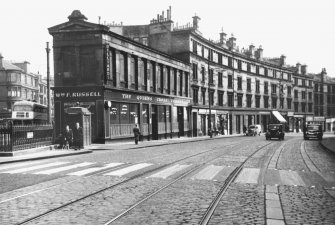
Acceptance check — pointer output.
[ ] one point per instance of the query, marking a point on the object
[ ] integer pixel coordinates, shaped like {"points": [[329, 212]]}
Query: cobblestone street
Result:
{"points": [[177, 184]]}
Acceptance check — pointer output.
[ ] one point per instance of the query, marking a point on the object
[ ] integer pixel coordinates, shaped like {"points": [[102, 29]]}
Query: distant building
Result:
{"points": [[18, 83]]}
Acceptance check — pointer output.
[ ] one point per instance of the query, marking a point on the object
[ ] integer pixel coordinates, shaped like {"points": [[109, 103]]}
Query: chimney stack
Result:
{"points": [[196, 21], [259, 53], [232, 42], [223, 38], [298, 66], [252, 50], [304, 69], [1, 62], [282, 60]]}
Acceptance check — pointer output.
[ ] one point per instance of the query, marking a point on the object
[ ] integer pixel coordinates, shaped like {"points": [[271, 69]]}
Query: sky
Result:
{"points": [[302, 30]]}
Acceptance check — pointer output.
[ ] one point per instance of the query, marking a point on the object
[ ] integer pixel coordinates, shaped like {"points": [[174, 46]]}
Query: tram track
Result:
{"points": [[56, 209]]}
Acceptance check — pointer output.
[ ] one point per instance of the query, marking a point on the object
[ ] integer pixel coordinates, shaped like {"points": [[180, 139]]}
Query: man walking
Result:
{"points": [[78, 136], [136, 131]]}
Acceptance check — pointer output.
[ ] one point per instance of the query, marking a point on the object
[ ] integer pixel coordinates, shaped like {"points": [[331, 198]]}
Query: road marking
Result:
{"points": [[208, 173], [94, 169], [5, 167], [291, 178], [26, 169], [56, 170], [169, 171], [248, 175], [128, 169]]}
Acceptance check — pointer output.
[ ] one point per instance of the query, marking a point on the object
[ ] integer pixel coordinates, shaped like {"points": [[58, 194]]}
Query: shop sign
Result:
{"points": [[290, 113], [219, 112], [76, 94], [150, 99], [319, 118], [309, 118]]}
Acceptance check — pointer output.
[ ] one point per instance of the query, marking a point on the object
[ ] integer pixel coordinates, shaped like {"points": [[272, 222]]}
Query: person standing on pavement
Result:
{"points": [[78, 136], [67, 137], [137, 133]]}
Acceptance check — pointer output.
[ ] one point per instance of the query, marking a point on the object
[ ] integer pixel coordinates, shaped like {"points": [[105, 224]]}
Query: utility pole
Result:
{"points": [[209, 101], [48, 82]]}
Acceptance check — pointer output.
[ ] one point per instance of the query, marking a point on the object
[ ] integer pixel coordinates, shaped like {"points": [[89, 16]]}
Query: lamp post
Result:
{"points": [[48, 82], [209, 101]]}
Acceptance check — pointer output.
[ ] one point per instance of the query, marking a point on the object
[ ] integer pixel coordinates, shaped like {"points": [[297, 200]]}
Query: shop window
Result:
{"points": [[115, 113], [124, 113], [145, 113], [133, 113]]}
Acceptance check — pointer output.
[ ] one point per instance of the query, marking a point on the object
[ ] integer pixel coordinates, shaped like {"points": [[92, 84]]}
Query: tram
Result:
{"points": [[27, 112]]}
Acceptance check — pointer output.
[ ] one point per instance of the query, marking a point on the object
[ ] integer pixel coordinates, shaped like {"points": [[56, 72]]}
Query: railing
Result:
{"points": [[13, 138]]}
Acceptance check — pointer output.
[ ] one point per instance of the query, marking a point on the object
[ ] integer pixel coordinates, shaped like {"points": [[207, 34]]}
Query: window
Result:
{"points": [[203, 74], [195, 44], [195, 71], [181, 83], [230, 97], [274, 102], [249, 101], [310, 83], [273, 89], [296, 106], [220, 79], [281, 103], [203, 96], [289, 103], [239, 83], [230, 81], [145, 41], [289, 89], [132, 70], [310, 94], [186, 84], [195, 95], [303, 107], [211, 97], [281, 89], [257, 86], [266, 88], [304, 82], [249, 84], [295, 81], [316, 88], [295, 94], [266, 102], [239, 100], [303, 95], [258, 100], [220, 98], [211, 79]]}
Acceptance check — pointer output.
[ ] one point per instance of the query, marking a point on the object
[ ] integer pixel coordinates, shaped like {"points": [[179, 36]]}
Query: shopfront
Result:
{"points": [[87, 97], [159, 117]]}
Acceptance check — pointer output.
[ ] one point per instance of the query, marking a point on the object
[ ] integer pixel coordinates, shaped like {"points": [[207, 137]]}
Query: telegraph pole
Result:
{"points": [[209, 101], [48, 82]]}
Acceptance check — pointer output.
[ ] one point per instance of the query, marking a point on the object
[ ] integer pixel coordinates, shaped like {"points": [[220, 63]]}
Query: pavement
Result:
{"points": [[328, 143]]}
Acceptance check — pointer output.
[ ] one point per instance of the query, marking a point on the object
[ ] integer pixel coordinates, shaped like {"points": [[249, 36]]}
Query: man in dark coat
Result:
{"points": [[78, 136], [67, 137], [137, 133]]}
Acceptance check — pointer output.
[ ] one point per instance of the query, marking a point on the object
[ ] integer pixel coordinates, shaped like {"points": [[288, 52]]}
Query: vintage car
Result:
{"points": [[275, 131], [313, 131], [254, 130]]}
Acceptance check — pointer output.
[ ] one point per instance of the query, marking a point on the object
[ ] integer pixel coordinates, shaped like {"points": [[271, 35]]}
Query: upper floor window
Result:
{"points": [[310, 95], [195, 95], [230, 81], [239, 100], [249, 84], [266, 102], [239, 83], [303, 95], [295, 81], [295, 93], [274, 103], [316, 88], [257, 86], [289, 88], [220, 98], [195, 71], [220, 83], [249, 101], [266, 87], [273, 88], [203, 74], [258, 100], [211, 76], [230, 97]]}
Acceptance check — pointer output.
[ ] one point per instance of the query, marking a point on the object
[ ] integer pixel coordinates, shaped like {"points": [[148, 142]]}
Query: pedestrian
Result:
{"points": [[77, 136], [137, 133], [67, 137]]}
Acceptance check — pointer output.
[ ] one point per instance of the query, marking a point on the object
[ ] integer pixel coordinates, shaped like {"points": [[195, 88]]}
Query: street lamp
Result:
{"points": [[209, 101]]}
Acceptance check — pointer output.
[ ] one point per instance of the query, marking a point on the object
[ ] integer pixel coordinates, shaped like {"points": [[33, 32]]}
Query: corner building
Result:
{"points": [[231, 87], [122, 83]]}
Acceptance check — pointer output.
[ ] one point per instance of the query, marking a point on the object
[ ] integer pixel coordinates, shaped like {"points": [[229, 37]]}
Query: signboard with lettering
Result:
{"points": [[132, 97], [77, 93]]}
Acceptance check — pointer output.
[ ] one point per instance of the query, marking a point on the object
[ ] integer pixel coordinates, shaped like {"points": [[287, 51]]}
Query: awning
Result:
{"points": [[279, 116]]}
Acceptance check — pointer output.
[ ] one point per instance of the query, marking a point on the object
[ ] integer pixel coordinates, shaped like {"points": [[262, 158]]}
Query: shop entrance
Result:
{"points": [[154, 117], [195, 122], [180, 112], [238, 124]]}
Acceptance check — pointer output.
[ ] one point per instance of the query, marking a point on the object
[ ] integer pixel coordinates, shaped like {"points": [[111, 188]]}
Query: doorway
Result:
{"points": [[154, 117], [195, 122], [180, 119]]}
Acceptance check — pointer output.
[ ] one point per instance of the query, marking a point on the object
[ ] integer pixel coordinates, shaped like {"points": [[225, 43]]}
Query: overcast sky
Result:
{"points": [[303, 30]]}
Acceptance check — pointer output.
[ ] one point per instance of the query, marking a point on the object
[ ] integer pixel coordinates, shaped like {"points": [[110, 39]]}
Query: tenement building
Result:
{"points": [[231, 87], [173, 82], [120, 81], [18, 83]]}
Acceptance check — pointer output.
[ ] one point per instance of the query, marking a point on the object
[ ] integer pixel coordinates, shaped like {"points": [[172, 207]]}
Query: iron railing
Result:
{"points": [[21, 137]]}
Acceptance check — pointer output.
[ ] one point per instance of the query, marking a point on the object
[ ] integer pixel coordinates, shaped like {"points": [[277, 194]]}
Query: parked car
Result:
{"points": [[313, 131], [275, 131], [254, 130]]}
